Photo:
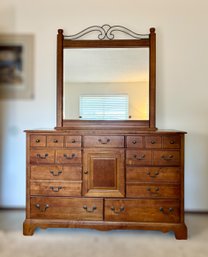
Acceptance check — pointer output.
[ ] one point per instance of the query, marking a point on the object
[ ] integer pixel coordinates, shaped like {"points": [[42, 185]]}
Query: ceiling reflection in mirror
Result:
{"points": [[106, 84]]}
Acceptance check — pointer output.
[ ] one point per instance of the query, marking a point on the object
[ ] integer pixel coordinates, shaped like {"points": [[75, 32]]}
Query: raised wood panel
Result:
{"points": [[103, 173], [104, 141], [55, 188], [66, 208], [56, 172], [152, 190], [153, 174], [142, 210]]}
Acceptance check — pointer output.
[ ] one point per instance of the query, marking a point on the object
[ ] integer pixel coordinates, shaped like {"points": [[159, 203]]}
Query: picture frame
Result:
{"points": [[16, 66]]}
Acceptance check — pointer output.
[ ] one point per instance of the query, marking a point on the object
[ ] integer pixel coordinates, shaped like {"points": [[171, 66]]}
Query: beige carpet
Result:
{"points": [[78, 242]]}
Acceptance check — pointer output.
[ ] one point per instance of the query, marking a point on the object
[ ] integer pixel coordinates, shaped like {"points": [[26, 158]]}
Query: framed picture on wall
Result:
{"points": [[16, 66]]}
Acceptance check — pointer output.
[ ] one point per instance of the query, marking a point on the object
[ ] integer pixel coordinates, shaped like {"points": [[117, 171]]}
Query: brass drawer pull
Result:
{"points": [[121, 209], [142, 157], [167, 158], [153, 190], [43, 209], [169, 210], [73, 141], [37, 140], [56, 174], [104, 142], [55, 141], [153, 142], [42, 157], [56, 189], [153, 175], [88, 209], [134, 142], [86, 172], [172, 142], [69, 157]]}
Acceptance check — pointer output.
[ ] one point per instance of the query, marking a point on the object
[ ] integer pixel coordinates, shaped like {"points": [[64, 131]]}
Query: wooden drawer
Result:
{"points": [[134, 141], [73, 141], [56, 172], [152, 190], [37, 141], [66, 208], [138, 157], [103, 141], [69, 156], [153, 174], [42, 156], [142, 210], [172, 141], [153, 142], [167, 158], [55, 188], [55, 141]]}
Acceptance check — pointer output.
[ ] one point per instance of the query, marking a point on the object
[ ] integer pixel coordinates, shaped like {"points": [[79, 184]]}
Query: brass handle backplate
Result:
{"points": [[42, 157], [59, 172], [142, 157], [43, 208], [89, 209], [104, 142], [69, 157], [167, 157], [56, 189], [117, 211]]}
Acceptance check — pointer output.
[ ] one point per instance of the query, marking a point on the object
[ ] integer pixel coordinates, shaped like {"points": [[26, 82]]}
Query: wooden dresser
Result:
{"points": [[105, 181]]}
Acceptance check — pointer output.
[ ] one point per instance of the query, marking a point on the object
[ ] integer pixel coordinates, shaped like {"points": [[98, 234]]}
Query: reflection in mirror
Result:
{"points": [[106, 84]]}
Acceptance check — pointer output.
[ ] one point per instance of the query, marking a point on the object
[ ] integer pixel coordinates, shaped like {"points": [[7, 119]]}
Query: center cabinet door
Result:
{"points": [[103, 173]]}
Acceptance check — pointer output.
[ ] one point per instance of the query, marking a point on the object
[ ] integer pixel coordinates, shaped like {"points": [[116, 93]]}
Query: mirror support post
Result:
{"points": [[152, 79], [59, 103]]}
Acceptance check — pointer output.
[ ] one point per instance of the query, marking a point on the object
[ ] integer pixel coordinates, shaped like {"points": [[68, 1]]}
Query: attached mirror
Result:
{"points": [[106, 83]]}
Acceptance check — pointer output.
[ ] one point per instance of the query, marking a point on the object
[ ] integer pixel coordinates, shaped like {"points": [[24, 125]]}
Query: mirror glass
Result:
{"points": [[106, 84]]}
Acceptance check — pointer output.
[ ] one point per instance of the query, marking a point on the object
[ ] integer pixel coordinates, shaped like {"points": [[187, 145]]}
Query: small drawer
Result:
{"points": [[153, 142], [42, 156], [138, 157], [153, 174], [73, 141], [152, 190], [171, 141], [55, 141], [69, 156], [57, 188], [142, 210], [66, 208], [134, 141], [167, 158], [72, 173], [37, 141], [103, 141]]}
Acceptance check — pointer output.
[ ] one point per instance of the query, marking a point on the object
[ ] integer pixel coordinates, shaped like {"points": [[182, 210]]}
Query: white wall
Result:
{"points": [[182, 81]]}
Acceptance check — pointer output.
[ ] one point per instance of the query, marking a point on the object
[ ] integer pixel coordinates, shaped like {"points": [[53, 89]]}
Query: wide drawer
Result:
{"points": [[103, 141], [138, 157], [153, 174], [56, 172], [55, 188], [152, 190], [69, 156], [66, 208], [167, 158], [139, 210], [42, 156]]}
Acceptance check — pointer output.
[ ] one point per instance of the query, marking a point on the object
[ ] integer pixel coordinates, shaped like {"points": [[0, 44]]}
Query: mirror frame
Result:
{"points": [[139, 41]]}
